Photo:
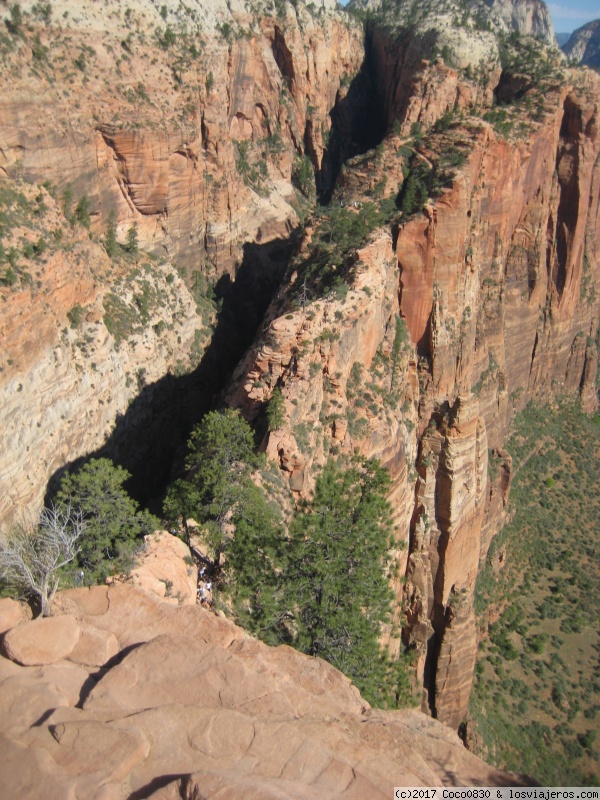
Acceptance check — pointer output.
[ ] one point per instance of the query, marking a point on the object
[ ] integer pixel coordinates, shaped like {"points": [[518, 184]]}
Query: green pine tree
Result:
{"points": [[132, 243], [67, 203], [82, 212], [253, 557], [114, 523], [334, 581], [276, 410], [220, 460]]}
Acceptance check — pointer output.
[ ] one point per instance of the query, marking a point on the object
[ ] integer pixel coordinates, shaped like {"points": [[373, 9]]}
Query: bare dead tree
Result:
{"points": [[31, 559]]}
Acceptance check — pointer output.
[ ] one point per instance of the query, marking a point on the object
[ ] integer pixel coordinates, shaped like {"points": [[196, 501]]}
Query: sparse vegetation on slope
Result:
{"points": [[536, 698]]}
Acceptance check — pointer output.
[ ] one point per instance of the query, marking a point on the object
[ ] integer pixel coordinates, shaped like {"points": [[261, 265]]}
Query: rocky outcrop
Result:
{"points": [[500, 306], [527, 17], [41, 641], [583, 45], [199, 176], [191, 705], [192, 140], [11, 614], [77, 346], [428, 336], [167, 569]]}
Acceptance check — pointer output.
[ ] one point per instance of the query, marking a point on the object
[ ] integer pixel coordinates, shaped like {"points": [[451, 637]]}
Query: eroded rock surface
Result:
{"points": [[584, 44], [193, 142], [191, 705], [446, 324], [494, 284], [167, 569]]}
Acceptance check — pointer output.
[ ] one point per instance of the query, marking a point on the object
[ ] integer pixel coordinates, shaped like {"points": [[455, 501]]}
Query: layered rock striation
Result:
{"points": [[191, 144], [415, 345], [494, 285], [527, 17]]}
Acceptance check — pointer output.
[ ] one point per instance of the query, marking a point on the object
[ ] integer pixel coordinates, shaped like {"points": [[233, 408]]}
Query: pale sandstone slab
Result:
{"points": [[247, 675], [135, 617], [27, 773], [42, 641], [24, 700], [8, 668], [68, 679], [95, 647], [163, 569], [91, 601], [111, 749], [29, 694]]}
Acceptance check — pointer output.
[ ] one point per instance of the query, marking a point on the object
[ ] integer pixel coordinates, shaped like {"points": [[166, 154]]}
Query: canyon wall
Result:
{"points": [[495, 285], [185, 127], [528, 17], [582, 45], [434, 330]]}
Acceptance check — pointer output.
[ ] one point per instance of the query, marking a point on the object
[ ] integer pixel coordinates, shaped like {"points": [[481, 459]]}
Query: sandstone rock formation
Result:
{"points": [[11, 614], [496, 294], [42, 641], [527, 17], [64, 383], [190, 705], [167, 569], [161, 150], [433, 333]]}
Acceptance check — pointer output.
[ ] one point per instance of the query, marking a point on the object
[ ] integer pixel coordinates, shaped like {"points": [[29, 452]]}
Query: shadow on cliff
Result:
{"points": [[379, 95], [357, 124], [149, 438]]}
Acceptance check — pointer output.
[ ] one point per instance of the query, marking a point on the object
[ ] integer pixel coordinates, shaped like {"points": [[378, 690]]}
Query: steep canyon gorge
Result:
{"points": [[203, 126]]}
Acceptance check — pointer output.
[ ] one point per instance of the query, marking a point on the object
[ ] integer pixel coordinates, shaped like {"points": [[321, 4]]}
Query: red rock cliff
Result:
{"points": [[446, 326]]}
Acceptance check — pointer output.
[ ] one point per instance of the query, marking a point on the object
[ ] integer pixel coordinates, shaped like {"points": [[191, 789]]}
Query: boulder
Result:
{"points": [[42, 641], [95, 647], [11, 614]]}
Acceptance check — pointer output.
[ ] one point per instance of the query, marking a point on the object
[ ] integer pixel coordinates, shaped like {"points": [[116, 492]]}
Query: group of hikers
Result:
{"points": [[204, 593]]}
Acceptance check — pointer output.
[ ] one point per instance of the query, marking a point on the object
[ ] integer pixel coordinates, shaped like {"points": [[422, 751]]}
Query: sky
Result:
{"points": [[569, 15]]}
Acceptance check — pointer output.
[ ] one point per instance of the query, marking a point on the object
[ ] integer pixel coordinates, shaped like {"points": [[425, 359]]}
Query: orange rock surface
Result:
{"points": [[191, 705], [449, 323]]}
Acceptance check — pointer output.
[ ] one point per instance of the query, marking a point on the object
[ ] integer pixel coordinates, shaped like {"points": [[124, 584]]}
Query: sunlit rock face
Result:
{"points": [[453, 319], [584, 44], [185, 694], [527, 17]]}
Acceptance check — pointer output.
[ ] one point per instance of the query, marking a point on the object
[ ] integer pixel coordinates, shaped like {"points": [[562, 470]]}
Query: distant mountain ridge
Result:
{"points": [[584, 44]]}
